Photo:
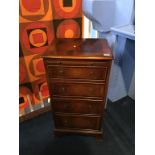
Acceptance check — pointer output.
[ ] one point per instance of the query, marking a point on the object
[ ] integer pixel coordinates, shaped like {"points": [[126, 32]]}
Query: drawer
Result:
{"points": [[83, 106], [78, 121], [77, 89], [54, 62], [78, 72]]}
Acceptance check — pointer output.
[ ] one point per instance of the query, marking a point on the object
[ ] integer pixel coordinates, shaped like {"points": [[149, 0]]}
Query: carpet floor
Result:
{"points": [[36, 136]]}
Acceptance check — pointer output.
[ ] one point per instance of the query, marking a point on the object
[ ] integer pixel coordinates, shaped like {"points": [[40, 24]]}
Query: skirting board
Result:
{"points": [[34, 113]]}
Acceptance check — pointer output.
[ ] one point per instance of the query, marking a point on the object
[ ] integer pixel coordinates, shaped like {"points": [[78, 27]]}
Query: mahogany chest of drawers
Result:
{"points": [[77, 72]]}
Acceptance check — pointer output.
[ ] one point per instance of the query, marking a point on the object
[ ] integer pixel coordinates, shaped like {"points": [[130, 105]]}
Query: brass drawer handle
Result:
{"points": [[91, 73], [61, 71], [91, 90], [66, 106], [90, 106], [62, 89], [65, 121]]}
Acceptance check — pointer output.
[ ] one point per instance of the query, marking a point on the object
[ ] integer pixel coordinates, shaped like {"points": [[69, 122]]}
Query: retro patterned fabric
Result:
{"points": [[40, 21]]}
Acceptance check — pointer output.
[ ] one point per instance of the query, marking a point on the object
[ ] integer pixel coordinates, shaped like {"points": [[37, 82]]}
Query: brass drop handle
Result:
{"points": [[91, 73], [61, 71], [91, 90], [65, 121], [65, 106], [90, 106], [59, 62], [63, 89]]}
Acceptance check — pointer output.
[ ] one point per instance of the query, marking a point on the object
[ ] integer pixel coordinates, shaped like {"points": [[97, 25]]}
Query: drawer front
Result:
{"points": [[83, 106], [78, 72], [78, 122], [54, 62], [78, 89]]}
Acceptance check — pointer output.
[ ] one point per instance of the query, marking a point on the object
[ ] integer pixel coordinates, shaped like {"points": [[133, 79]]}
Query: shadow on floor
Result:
{"points": [[36, 136]]}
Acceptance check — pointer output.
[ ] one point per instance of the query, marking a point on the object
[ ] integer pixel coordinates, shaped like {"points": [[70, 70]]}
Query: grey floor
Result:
{"points": [[36, 136]]}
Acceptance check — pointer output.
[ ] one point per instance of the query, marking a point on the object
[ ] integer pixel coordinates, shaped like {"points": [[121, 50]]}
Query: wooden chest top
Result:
{"points": [[79, 49]]}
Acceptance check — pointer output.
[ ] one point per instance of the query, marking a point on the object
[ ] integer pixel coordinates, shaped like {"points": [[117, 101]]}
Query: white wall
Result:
{"points": [[89, 31], [86, 27]]}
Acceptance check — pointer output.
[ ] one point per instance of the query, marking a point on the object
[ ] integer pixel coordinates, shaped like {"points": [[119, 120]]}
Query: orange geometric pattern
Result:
{"points": [[31, 67], [24, 90], [35, 10], [72, 11], [40, 22], [36, 31], [68, 29], [40, 86], [39, 68], [23, 76], [32, 8], [38, 37]]}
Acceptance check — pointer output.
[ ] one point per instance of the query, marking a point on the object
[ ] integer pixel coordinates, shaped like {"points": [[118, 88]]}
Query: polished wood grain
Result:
{"points": [[79, 49], [77, 121], [79, 106], [77, 72], [96, 133], [77, 89], [76, 62]]}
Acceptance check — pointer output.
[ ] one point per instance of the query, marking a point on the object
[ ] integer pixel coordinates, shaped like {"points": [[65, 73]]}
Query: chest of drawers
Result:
{"points": [[77, 72]]}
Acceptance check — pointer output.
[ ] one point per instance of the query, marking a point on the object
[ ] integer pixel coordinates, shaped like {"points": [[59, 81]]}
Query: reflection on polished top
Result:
{"points": [[79, 49]]}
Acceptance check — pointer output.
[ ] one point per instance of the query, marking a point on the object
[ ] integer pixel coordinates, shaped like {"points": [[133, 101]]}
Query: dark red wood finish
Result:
{"points": [[77, 121], [78, 72], [81, 106], [77, 89]]}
